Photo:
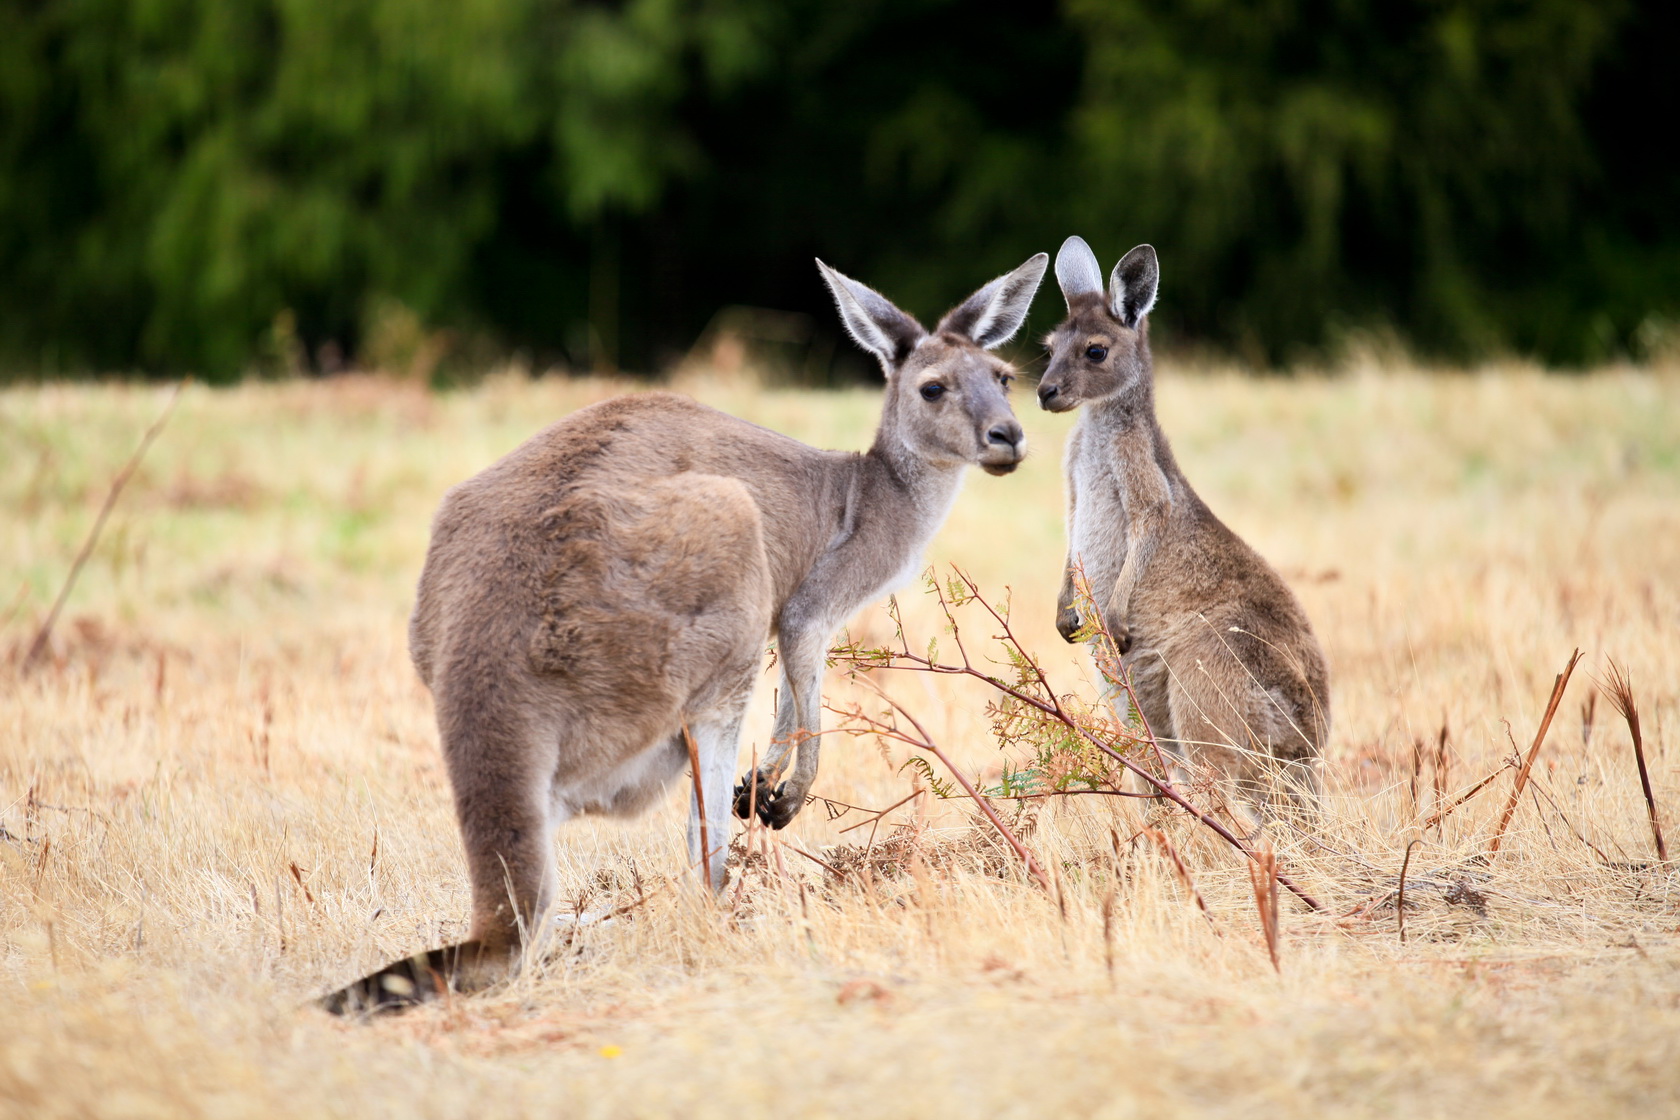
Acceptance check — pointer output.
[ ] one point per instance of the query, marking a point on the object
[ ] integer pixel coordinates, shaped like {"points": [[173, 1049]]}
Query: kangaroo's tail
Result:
{"points": [[417, 979]]}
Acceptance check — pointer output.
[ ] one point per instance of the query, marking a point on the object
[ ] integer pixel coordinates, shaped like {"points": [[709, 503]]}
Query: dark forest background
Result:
{"points": [[218, 187]]}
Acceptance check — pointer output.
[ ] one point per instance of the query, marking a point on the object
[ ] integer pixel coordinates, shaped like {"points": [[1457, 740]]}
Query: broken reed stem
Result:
{"points": [[1620, 691], [926, 743], [1262, 872], [1561, 683], [1400, 901], [38, 647]]}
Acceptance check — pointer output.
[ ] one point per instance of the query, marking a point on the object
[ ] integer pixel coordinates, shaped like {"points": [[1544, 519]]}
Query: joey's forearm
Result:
{"points": [[1140, 549], [1067, 616]]}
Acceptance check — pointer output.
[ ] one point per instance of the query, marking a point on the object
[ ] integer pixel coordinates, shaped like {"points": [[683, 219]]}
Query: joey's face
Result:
{"points": [[1092, 357], [952, 405], [1100, 350]]}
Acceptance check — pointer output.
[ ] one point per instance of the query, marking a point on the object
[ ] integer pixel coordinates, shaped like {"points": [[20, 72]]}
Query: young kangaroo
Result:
{"points": [[1224, 662], [595, 605]]}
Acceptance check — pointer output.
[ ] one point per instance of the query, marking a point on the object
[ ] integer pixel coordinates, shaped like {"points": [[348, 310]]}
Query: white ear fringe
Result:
{"points": [[1077, 270], [1007, 301], [849, 297]]}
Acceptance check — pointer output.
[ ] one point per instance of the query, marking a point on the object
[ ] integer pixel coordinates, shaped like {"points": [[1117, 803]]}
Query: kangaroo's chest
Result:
{"points": [[1097, 529]]}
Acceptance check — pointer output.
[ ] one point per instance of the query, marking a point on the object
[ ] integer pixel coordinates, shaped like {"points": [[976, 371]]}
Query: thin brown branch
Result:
{"points": [[1440, 815], [824, 864], [38, 647], [875, 817], [1073, 793], [926, 743], [1620, 691], [1561, 683], [699, 804]]}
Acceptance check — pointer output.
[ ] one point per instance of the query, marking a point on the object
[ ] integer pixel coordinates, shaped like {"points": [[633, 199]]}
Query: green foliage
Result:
{"points": [[1332, 162], [189, 185], [937, 785], [187, 170]]}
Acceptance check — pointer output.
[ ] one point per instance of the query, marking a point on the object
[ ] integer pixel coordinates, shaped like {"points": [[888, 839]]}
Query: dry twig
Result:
{"points": [[1043, 700], [1262, 872], [923, 741], [1400, 900], [38, 647], [1183, 870]]}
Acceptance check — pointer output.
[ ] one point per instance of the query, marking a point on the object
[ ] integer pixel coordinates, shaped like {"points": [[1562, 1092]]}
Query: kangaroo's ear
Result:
{"points": [[872, 320], [1131, 286], [1077, 270], [992, 315]]}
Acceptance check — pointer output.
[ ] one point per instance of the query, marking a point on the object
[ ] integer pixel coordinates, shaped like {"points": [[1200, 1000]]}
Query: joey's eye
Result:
{"points": [[1005, 378], [932, 391], [1097, 353]]}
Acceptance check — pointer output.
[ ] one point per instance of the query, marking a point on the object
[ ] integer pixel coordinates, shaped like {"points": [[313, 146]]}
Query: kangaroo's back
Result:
{"points": [[513, 548]]}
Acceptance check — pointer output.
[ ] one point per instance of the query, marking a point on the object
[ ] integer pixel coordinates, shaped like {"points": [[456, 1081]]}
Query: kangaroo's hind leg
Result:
{"points": [[500, 768], [717, 743], [1227, 717]]}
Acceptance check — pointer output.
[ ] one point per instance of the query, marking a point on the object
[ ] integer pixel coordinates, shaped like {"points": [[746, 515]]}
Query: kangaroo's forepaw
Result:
{"points": [[1067, 623], [773, 806], [752, 794]]}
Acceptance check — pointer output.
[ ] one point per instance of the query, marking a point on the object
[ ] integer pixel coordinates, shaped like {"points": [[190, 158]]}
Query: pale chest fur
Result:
{"points": [[933, 515], [1097, 510]]}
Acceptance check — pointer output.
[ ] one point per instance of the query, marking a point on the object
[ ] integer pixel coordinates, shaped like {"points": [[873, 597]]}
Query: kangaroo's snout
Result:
{"points": [[1008, 433], [1051, 398], [1006, 446]]}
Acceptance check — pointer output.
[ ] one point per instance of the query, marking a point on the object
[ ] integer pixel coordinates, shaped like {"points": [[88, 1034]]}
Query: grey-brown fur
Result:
{"points": [[1223, 659], [613, 582]]}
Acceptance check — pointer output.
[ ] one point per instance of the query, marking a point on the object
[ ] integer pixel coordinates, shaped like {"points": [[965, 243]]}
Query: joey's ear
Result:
{"points": [[992, 315], [1077, 270], [1131, 286], [872, 320]]}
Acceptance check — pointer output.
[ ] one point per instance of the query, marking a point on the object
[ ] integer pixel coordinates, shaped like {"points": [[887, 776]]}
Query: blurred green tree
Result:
{"points": [[187, 184]]}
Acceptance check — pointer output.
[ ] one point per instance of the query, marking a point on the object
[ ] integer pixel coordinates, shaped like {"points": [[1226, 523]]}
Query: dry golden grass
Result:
{"points": [[221, 794]]}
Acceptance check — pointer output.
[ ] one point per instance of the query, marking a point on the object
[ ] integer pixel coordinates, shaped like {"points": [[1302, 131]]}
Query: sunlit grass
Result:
{"points": [[222, 795]]}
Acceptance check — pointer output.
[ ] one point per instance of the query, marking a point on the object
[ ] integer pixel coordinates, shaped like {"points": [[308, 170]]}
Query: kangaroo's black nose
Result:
{"points": [[1045, 392], [1009, 434]]}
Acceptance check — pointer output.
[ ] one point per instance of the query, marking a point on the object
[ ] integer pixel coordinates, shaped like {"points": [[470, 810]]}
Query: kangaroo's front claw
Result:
{"points": [[780, 807], [747, 803]]}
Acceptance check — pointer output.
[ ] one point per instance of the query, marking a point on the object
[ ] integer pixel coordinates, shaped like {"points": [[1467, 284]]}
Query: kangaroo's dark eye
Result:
{"points": [[1097, 353], [932, 391], [1005, 378]]}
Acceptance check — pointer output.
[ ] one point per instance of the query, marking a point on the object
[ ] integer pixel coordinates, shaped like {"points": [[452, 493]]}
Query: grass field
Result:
{"points": [[221, 794]]}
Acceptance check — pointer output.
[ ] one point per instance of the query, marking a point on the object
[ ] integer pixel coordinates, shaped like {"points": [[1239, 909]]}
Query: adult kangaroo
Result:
{"points": [[595, 606], [1224, 662]]}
